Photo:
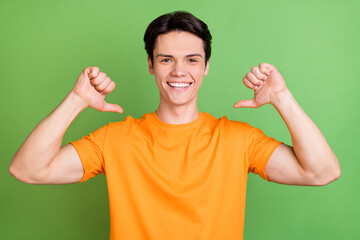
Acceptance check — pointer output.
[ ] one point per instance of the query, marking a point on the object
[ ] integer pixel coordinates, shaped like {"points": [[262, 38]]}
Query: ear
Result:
{"points": [[150, 65], [207, 68]]}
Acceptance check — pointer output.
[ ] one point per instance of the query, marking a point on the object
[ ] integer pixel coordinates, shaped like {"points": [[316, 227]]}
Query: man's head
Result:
{"points": [[178, 47], [177, 21]]}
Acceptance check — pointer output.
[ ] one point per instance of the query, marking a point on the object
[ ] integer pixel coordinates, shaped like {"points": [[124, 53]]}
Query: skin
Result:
{"points": [[178, 57], [184, 63], [310, 161]]}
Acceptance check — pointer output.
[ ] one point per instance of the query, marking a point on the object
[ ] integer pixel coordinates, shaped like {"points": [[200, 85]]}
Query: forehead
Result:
{"points": [[179, 43]]}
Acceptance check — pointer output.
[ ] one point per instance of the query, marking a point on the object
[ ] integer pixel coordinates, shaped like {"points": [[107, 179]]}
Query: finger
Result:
{"points": [[265, 68], [109, 88], [99, 79], [248, 84], [254, 80], [92, 72], [103, 85], [245, 104], [258, 74], [108, 107]]}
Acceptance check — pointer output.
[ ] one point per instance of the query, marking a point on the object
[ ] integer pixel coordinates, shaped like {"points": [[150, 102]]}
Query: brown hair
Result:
{"points": [[177, 21]]}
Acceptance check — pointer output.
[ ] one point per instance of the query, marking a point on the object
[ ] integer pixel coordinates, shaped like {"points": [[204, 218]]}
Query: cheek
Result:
{"points": [[160, 77], [197, 73], [162, 71]]}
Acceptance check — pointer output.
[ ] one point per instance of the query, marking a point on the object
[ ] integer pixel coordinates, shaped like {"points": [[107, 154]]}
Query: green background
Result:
{"points": [[314, 44]]}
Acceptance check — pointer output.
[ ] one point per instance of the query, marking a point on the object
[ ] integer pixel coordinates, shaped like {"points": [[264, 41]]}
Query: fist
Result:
{"points": [[92, 86], [267, 83]]}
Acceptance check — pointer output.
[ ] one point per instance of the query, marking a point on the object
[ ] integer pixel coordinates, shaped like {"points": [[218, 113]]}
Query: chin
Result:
{"points": [[179, 103]]}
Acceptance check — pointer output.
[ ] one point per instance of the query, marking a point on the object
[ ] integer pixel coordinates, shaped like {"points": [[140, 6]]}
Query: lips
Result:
{"points": [[179, 84]]}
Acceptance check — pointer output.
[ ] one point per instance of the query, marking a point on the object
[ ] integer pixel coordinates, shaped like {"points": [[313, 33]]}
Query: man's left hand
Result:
{"points": [[267, 83]]}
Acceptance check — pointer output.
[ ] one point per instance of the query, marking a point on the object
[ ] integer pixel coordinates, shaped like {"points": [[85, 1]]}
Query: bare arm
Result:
{"points": [[310, 161], [41, 159]]}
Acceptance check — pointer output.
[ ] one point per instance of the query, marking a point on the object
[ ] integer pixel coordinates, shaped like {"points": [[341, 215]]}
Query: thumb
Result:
{"points": [[245, 104], [108, 107], [91, 72]]}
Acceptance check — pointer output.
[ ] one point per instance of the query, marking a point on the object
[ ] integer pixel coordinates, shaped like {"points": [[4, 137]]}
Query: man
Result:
{"points": [[176, 173]]}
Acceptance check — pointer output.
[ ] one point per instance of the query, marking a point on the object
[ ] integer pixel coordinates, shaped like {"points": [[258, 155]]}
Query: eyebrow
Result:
{"points": [[189, 55]]}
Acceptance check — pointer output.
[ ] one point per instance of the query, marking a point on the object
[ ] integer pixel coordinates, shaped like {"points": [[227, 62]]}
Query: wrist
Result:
{"points": [[281, 99], [76, 101]]}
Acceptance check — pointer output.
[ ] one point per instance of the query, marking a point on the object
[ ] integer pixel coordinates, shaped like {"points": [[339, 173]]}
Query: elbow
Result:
{"points": [[337, 174], [20, 176], [13, 171], [16, 174], [330, 176]]}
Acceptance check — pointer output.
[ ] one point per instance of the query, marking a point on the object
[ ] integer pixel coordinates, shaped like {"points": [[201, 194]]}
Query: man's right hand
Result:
{"points": [[92, 87], [41, 159]]}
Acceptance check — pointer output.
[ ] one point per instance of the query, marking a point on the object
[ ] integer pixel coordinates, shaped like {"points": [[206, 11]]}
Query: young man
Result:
{"points": [[176, 173]]}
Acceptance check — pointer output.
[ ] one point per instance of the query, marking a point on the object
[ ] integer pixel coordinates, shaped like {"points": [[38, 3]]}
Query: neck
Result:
{"points": [[178, 114]]}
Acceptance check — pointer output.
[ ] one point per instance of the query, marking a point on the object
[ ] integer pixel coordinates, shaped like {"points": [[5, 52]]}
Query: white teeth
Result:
{"points": [[179, 85]]}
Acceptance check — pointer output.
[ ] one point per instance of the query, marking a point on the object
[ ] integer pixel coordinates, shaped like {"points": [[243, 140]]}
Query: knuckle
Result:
{"points": [[108, 89], [99, 88], [94, 80], [253, 69], [111, 86], [248, 74]]}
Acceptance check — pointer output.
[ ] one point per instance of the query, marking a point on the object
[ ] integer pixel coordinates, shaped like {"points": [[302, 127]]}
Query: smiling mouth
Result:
{"points": [[178, 85]]}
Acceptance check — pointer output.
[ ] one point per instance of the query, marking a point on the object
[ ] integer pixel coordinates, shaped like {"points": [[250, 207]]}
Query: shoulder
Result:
{"points": [[128, 120], [228, 124], [128, 123], [230, 128]]}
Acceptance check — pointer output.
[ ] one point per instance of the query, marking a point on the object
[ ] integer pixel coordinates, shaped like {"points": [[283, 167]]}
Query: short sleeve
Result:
{"points": [[90, 151], [259, 150]]}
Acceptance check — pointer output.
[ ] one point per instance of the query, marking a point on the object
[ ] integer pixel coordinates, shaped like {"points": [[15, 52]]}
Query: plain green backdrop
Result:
{"points": [[314, 44]]}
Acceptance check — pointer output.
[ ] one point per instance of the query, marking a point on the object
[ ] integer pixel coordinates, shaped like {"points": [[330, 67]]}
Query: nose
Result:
{"points": [[178, 69]]}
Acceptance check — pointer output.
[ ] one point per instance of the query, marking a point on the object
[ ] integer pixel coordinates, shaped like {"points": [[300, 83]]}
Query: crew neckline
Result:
{"points": [[178, 127]]}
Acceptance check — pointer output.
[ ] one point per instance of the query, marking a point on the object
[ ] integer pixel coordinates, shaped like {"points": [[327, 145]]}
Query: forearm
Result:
{"points": [[44, 142], [310, 146]]}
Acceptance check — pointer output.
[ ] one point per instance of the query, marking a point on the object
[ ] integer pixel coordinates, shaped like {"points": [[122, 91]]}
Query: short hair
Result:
{"points": [[181, 21]]}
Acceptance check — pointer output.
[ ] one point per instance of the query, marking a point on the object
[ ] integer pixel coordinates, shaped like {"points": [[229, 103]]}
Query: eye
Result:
{"points": [[192, 60], [165, 60]]}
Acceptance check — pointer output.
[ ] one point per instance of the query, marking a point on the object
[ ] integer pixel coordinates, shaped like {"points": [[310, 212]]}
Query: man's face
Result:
{"points": [[179, 67]]}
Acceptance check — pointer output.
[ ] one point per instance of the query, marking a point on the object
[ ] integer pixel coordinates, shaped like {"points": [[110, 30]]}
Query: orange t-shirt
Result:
{"points": [[176, 182]]}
